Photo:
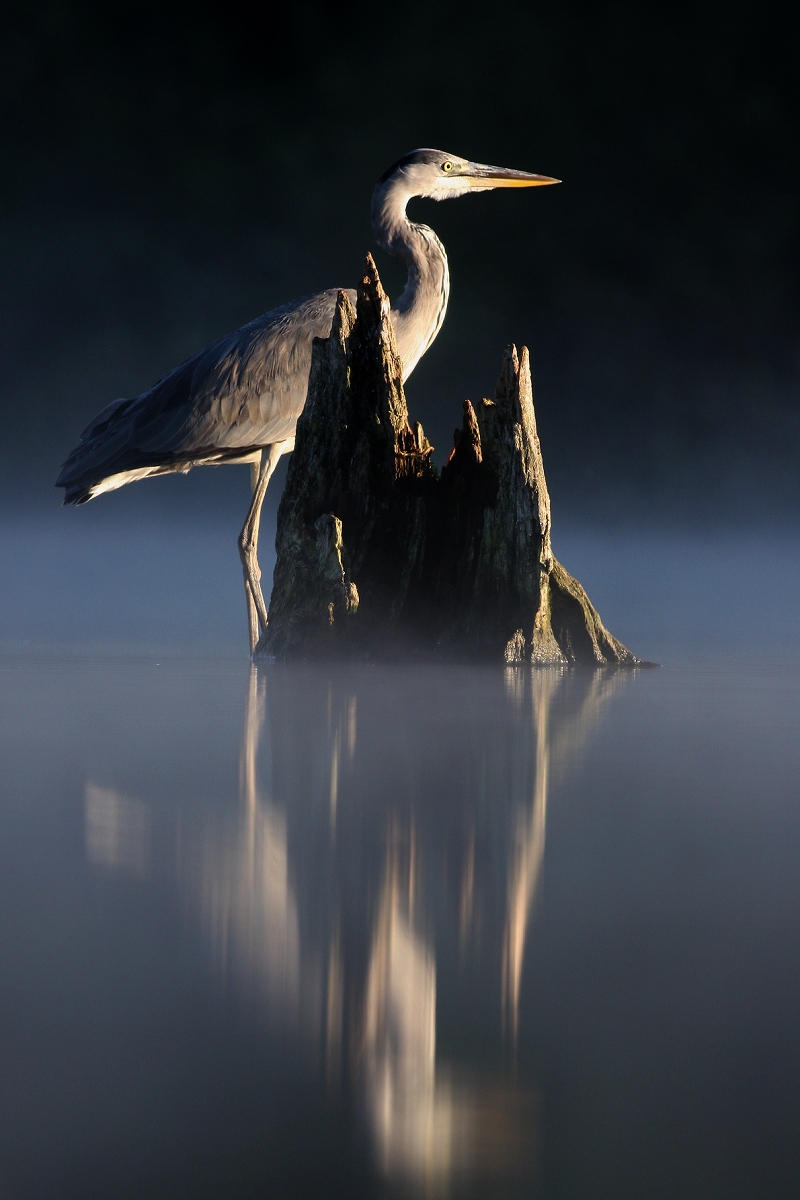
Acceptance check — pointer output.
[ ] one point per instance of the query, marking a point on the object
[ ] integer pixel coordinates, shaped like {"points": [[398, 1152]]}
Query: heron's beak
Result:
{"points": [[480, 176]]}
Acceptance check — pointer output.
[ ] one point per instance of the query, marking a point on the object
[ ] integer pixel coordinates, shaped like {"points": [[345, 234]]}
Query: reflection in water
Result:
{"points": [[527, 846], [429, 1123], [240, 869], [382, 817], [117, 830], [341, 733], [466, 904], [398, 1043], [555, 743]]}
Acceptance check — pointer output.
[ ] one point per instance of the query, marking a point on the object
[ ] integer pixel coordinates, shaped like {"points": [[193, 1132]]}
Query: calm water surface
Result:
{"points": [[398, 932]]}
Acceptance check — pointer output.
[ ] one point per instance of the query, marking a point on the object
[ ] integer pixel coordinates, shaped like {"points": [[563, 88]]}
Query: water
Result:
{"points": [[361, 931], [386, 932]]}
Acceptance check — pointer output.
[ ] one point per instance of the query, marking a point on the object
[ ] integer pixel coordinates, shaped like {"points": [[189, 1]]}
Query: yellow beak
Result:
{"points": [[482, 176]]}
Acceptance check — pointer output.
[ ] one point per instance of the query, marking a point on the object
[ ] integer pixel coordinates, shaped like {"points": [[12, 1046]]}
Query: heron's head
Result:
{"points": [[441, 176]]}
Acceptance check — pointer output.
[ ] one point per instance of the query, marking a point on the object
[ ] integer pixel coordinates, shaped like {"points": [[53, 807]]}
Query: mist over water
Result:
{"points": [[118, 575], [397, 931]]}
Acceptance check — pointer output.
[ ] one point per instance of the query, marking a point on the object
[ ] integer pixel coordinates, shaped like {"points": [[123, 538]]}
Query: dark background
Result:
{"points": [[171, 171]]}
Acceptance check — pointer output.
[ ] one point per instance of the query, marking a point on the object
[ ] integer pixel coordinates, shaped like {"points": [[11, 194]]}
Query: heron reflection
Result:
{"points": [[240, 871], [361, 862]]}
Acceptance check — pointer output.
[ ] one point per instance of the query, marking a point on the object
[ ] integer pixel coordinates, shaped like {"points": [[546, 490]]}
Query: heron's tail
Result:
{"points": [[76, 495], [94, 462]]}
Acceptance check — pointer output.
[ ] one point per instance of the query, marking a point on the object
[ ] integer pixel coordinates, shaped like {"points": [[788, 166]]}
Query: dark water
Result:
{"points": [[398, 932]]}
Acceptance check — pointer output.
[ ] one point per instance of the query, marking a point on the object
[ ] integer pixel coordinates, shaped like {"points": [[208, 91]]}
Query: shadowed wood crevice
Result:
{"points": [[378, 556]]}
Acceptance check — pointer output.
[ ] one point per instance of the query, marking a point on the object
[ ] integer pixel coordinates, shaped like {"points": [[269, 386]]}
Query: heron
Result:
{"points": [[238, 400]]}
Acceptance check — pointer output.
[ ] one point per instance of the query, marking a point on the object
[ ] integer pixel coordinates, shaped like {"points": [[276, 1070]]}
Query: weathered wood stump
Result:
{"points": [[378, 556]]}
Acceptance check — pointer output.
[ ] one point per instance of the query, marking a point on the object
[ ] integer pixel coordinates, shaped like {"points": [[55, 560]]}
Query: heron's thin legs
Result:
{"points": [[252, 614], [248, 539]]}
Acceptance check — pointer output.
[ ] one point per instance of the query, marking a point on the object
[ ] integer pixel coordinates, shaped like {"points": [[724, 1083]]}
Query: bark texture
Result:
{"points": [[378, 556]]}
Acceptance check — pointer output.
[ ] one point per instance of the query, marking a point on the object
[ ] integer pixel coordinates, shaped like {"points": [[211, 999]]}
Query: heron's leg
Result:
{"points": [[248, 539], [252, 612]]}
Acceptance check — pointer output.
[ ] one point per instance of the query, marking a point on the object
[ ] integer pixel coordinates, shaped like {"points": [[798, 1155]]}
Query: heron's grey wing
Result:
{"points": [[241, 393], [255, 390], [103, 419]]}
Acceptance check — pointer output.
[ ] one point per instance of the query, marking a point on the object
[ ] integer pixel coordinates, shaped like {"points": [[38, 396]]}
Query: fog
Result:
{"points": [[89, 580]]}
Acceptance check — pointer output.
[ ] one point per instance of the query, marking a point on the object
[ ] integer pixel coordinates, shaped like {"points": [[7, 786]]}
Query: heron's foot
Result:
{"points": [[256, 608], [256, 623], [260, 648]]}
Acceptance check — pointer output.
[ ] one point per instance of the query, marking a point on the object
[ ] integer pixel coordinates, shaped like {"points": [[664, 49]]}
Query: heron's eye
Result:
{"points": [[447, 166]]}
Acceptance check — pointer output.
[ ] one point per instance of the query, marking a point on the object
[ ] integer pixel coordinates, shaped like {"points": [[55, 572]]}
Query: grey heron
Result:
{"points": [[238, 400]]}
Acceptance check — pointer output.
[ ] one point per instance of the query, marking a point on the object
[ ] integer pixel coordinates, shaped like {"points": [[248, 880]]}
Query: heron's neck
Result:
{"points": [[419, 312]]}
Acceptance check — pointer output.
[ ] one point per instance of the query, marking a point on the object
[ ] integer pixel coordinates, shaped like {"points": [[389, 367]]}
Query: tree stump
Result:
{"points": [[379, 556]]}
